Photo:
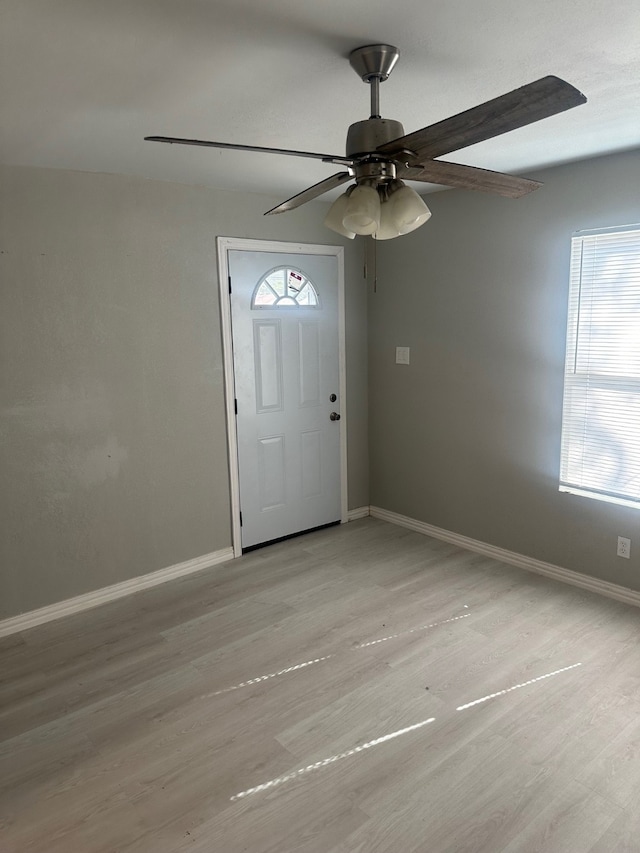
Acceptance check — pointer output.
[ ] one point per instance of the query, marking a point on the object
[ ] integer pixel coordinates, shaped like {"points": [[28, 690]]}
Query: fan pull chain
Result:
{"points": [[374, 263], [375, 266]]}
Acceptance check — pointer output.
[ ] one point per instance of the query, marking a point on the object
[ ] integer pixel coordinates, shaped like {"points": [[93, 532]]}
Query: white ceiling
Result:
{"points": [[82, 81]]}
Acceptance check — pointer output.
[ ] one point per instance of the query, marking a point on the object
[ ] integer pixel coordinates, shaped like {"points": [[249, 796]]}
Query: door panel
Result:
{"points": [[267, 350], [309, 365], [284, 310], [271, 472], [311, 463]]}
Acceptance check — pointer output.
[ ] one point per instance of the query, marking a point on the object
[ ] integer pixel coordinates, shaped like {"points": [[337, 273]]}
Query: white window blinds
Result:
{"points": [[601, 413]]}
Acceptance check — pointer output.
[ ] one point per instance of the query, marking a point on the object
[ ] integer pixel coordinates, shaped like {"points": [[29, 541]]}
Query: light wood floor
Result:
{"points": [[147, 725]]}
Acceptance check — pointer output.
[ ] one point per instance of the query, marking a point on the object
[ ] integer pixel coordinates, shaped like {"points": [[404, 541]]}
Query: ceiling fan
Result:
{"points": [[379, 155]]}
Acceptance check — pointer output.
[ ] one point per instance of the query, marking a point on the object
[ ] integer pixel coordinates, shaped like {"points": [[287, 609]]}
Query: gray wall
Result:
{"points": [[467, 437], [114, 460], [112, 421]]}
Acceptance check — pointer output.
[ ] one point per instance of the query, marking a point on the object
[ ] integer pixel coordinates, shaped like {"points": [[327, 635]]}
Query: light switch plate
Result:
{"points": [[402, 355]]}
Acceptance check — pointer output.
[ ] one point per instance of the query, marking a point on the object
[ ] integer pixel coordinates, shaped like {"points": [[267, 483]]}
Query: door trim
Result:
{"points": [[225, 245]]}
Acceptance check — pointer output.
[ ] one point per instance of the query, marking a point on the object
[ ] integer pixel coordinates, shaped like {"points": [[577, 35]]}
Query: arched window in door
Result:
{"points": [[285, 287]]}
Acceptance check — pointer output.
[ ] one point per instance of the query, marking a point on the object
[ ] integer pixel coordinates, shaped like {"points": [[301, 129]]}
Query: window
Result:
{"points": [[285, 287], [601, 414]]}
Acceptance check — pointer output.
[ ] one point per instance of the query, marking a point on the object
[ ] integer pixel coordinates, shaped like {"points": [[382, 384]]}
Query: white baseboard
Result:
{"points": [[611, 590], [359, 512], [119, 590], [110, 593]]}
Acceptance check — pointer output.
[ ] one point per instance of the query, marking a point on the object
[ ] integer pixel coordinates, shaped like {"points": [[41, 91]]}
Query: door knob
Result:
{"points": [[334, 416]]}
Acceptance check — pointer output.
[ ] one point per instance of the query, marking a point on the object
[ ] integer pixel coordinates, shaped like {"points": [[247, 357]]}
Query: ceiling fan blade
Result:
{"points": [[327, 158], [312, 192], [470, 178], [530, 103]]}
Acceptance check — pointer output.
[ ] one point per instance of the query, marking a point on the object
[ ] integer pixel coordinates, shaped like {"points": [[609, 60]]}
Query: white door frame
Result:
{"points": [[225, 245]]}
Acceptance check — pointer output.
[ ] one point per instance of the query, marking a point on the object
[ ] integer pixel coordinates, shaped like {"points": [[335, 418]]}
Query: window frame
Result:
{"points": [[591, 380]]}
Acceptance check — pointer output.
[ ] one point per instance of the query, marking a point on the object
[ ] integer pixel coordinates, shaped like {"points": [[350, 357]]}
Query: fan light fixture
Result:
{"points": [[333, 219], [384, 211]]}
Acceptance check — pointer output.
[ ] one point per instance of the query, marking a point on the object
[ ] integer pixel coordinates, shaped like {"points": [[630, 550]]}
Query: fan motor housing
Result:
{"points": [[364, 137]]}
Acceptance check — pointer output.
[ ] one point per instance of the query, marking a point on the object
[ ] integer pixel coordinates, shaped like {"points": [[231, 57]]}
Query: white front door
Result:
{"points": [[284, 314]]}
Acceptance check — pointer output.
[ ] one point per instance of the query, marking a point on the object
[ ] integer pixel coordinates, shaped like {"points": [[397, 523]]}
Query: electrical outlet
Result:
{"points": [[624, 547]]}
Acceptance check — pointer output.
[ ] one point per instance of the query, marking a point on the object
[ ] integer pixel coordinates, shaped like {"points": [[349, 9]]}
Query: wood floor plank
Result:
{"points": [[615, 772], [621, 836], [305, 698]]}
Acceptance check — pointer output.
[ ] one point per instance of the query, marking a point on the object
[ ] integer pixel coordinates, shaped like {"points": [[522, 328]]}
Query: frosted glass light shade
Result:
{"points": [[387, 229], [333, 219], [408, 210], [362, 213]]}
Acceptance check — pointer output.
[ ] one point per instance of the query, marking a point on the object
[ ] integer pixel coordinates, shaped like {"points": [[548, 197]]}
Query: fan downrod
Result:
{"points": [[373, 63]]}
